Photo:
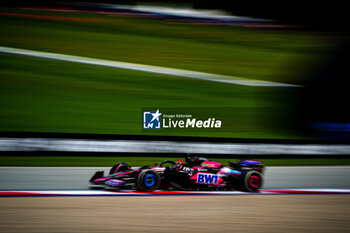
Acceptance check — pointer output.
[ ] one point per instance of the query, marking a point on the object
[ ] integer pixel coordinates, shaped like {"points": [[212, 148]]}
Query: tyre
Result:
{"points": [[251, 181], [148, 180]]}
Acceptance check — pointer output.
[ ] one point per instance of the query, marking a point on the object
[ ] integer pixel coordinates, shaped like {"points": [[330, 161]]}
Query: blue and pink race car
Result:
{"points": [[197, 173]]}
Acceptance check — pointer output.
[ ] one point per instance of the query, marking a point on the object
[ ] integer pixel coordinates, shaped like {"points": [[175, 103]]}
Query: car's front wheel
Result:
{"points": [[148, 180]]}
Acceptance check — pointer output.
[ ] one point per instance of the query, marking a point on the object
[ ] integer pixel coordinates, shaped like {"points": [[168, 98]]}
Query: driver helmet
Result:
{"points": [[179, 164]]}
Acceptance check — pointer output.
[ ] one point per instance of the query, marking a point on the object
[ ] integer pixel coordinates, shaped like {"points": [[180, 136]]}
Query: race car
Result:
{"points": [[197, 173]]}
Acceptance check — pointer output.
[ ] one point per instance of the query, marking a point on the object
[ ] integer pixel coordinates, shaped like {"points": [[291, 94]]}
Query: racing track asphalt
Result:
{"points": [[76, 178], [243, 214]]}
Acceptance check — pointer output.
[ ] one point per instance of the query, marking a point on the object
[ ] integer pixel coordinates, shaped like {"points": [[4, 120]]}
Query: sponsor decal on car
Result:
{"points": [[207, 178]]}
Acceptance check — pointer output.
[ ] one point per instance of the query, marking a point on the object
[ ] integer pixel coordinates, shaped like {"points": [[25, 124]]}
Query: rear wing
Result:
{"points": [[254, 165]]}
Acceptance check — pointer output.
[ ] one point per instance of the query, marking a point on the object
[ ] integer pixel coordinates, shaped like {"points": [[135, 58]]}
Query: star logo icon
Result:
{"points": [[152, 119], [156, 115]]}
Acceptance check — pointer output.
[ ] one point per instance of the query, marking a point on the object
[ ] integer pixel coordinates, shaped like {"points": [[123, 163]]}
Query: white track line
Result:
{"points": [[159, 192], [148, 68]]}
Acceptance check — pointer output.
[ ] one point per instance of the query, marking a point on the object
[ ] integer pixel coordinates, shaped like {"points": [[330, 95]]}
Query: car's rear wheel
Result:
{"points": [[148, 180], [251, 181]]}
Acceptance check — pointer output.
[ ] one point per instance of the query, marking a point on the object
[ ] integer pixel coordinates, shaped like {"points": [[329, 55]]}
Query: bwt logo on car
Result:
{"points": [[207, 178], [151, 120]]}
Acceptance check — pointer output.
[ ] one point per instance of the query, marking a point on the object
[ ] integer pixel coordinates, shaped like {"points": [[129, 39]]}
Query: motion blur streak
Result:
{"points": [[47, 17], [76, 178], [147, 68], [140, 146], [267, 213]]}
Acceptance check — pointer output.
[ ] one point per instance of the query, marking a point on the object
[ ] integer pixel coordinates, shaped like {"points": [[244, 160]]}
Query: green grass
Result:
{"points": [[53, 96], [248, 53], [139, 161], [43, 95]]}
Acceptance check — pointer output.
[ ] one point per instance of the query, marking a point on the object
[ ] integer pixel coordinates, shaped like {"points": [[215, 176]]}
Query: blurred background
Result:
{"points": [[291, 42], [75, 116]]}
